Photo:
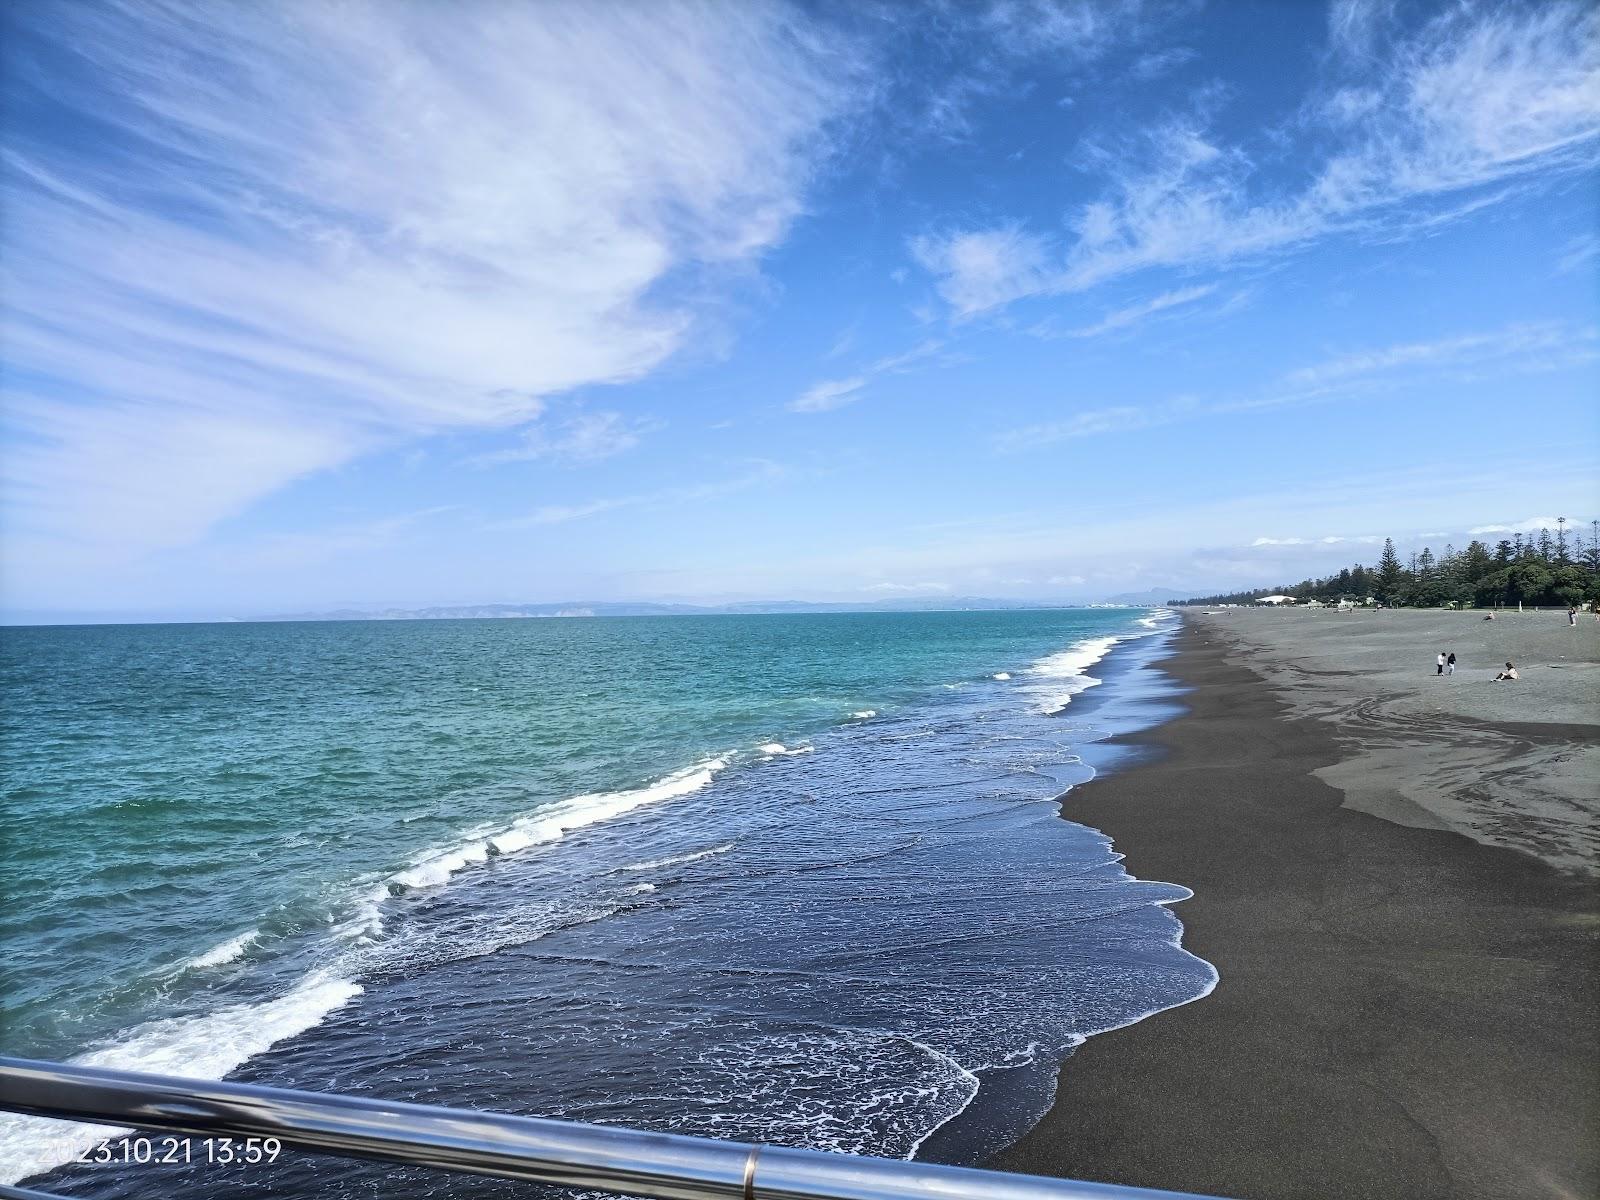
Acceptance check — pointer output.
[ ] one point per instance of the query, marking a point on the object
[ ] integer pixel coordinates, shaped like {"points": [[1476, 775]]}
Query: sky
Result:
{"points": [[309, 306]]}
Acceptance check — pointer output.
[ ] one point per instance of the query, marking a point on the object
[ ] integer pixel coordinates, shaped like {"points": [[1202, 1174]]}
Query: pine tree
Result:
{"points": [[1427, 584], [1591, 556], [1389, 573], [1476, 561]]}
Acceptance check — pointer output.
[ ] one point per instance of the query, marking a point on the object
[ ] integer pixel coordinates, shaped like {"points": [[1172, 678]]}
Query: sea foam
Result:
{"points": [[202, 1047], [1063, 675], [679, 859], [225, 952], [550, 825]]}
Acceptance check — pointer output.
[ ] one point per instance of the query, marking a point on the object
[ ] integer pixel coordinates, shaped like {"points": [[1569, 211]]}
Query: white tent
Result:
{"points": [[1274, 599]]}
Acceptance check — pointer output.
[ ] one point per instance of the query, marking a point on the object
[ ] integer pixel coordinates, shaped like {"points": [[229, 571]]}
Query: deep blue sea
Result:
{"points": [[797, 879]]}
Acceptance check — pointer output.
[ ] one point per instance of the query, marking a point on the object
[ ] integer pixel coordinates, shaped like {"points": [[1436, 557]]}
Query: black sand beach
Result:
{"points": [[1403, 1011]]}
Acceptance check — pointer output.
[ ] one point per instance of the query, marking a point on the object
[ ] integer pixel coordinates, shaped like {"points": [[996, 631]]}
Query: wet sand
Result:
{"points": [[1407, 1007]]}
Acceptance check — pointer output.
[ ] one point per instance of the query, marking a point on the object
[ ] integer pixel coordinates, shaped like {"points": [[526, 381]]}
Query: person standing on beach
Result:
{"points": [[1450, 664], [1439, 664], [1572, 616]]}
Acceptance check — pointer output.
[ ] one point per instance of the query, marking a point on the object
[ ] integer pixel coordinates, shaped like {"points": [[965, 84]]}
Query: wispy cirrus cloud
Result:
{"points": [[761, 472], [1122, 418], [1481, 95], [289, 551], [1134, 314], [1521, 348], [583, 437], [1515, 349], [286, 235], [830, 394], [985, 44], [1160, 62], [1578, 254]]}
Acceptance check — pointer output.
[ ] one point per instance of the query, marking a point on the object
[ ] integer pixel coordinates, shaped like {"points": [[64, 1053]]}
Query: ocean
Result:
{"points": [[797, 879]]}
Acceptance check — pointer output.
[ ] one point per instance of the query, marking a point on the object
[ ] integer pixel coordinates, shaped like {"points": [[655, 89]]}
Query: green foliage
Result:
{"points": [[1537, 570], [1391, 575]]}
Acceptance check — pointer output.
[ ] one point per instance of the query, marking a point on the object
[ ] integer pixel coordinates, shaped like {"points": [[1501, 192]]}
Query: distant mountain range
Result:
{"points": [[598, 609]]}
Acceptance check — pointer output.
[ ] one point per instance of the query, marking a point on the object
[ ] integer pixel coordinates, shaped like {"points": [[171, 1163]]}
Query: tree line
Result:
{"points": [[1560, 568]]}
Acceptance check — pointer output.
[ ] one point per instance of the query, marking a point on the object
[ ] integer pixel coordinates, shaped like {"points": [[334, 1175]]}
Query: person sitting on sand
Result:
{"points": [[1490, 617], [1509, 673]]}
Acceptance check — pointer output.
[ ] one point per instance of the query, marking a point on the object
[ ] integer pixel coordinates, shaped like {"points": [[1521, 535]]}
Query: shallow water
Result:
{"points": [[660, 871]]}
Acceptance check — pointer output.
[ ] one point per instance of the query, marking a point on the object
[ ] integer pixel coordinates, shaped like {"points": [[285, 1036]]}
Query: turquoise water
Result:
{"points": [[222, 836]]}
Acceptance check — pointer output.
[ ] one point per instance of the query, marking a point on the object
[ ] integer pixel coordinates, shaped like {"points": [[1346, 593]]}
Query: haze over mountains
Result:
{"points": [[1155, 596]]}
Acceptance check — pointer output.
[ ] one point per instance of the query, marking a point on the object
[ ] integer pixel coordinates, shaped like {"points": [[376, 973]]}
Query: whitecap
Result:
{"points": [[1157, 618], [779, 750], [200, 1047], [224, 952], [678, 859], [1064, 674], [551, 825], [1002, 675]]}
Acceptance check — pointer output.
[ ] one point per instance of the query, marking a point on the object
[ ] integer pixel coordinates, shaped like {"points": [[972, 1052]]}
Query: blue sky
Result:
{"points": [[318, 305]]}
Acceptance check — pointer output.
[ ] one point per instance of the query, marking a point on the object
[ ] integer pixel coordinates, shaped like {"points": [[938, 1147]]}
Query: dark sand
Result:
{"points": [[1403, 1011]]}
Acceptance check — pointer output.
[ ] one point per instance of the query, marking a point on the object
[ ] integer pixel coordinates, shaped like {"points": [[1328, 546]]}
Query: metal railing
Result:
{"points": [[564, 1153]]}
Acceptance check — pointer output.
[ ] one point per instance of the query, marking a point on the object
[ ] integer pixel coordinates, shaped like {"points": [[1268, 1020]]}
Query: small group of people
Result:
{"points": [[1445, 664]]}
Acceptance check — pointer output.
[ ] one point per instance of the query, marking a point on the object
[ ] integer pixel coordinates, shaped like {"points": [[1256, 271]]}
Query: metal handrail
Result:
{"points": [[566, 1153]]}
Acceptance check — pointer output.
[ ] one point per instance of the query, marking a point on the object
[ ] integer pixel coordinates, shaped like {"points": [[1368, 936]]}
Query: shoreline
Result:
{"points": [[1133, 696], [1402, 1011]]}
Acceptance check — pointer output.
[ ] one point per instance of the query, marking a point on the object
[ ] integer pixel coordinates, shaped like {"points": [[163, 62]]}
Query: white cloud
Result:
{"points": [[319, 229], [836, 393], [560, 514], [1516, 349], [1331, 540], [1123, 318], [586, 437], [1479, 96], [1080, 29], [983, 268], [1355, 25], [828, 395], [1159, 62], [1523, 344], [1531, 525], [290, 551], [1126, 418], [1577, 254], [907, 588]]}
